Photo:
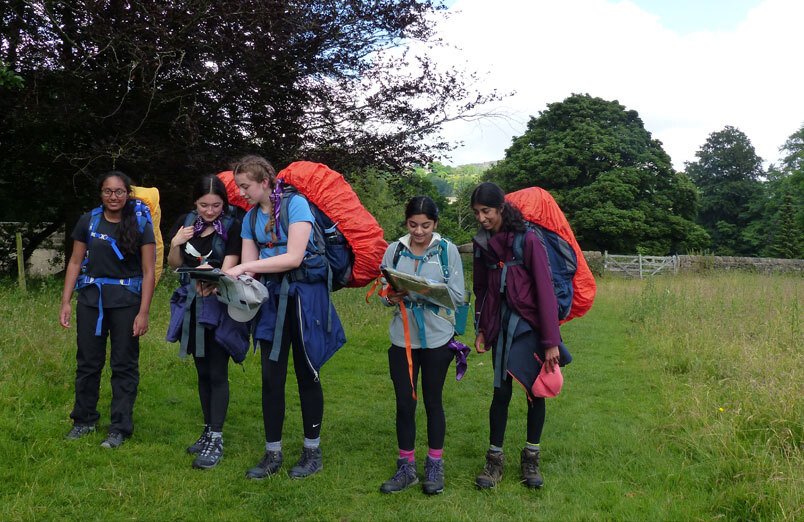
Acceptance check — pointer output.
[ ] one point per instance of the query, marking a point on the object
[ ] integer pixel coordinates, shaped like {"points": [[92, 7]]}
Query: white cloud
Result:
{"points": [[683, 86]]}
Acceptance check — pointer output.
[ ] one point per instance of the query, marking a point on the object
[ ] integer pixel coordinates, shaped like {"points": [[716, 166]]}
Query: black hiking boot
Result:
{"points": [[531, 476], [311, 462], [492, 472], [198, 445], [211, 454], [79, 431], [269, 465], [433, 476], [113, 440], [404, 477]]}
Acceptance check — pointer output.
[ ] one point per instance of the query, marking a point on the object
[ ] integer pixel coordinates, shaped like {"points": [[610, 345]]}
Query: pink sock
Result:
{"points": [[435, 453], [410, 455]]}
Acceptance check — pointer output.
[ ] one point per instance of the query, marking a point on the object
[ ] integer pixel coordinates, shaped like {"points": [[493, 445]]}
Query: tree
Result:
{"points": [[613, 181], [728, 172], [782, 227], [169, 90]]}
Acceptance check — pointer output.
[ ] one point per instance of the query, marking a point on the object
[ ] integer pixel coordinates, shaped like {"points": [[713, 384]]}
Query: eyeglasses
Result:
{"points": [[107, 193]]}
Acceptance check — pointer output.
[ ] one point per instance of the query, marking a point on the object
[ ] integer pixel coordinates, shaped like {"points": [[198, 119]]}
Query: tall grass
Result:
{"points": [[730, 347], [683, 403]]}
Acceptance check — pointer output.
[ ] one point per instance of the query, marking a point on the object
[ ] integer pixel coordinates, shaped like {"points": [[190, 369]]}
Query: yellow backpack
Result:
{"points": [[150, 196]]}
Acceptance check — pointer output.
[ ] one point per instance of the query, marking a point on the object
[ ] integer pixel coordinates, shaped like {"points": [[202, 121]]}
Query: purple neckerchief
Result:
{"points": [[200, 225], [461, 352], [276, 201]]}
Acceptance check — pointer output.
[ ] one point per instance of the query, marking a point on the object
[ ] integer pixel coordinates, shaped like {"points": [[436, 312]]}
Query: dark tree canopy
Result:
{"points": [[728, 173], [614, 181], [169, 90]]}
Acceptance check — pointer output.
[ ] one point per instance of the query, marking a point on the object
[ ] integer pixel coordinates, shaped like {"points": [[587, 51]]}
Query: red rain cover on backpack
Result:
{"points": [[232, 191], [331, 193], [538, 206]]}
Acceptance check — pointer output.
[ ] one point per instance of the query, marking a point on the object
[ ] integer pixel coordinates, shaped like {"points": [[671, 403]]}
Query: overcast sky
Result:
{"points": [[688, 67]]}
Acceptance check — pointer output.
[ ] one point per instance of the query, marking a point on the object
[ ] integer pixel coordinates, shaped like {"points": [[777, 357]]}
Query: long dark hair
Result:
{"points": [[211, 184], [422, 205], [128, 234], [491, 195]]}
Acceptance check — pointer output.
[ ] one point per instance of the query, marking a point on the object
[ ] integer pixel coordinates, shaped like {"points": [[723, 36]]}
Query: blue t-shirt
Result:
{"points": [[298, 210]]}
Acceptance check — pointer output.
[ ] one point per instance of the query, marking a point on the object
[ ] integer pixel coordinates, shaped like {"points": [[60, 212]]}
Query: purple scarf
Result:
{"points": [[200, 225]]}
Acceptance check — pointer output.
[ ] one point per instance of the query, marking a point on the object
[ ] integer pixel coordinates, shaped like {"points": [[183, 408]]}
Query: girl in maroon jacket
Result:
{"points": [[517, 318]]}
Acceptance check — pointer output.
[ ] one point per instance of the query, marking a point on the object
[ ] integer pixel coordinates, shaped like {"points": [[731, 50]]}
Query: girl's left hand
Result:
{"points": [[140, 324], [551, 356], [205, 288]]}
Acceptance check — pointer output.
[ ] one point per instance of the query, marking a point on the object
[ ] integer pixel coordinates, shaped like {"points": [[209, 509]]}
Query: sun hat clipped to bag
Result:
{"points": [[547, 384], [244, 296]]}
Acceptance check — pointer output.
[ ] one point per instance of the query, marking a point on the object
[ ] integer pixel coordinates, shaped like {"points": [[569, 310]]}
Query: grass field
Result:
{"points": [[684, 402]]}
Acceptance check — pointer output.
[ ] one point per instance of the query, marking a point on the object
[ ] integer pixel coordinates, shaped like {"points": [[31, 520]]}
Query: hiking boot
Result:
{"points": [[113, 440], [433, 476], [79, 431], [404, 477], [492, 471], [531, 476], [210, 455], [198, 445], [270, 464], [310, 462]]}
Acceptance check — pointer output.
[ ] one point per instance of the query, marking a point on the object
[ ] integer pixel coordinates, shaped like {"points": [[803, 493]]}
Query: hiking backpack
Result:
{"points": [[150, 196], [573, 282], [345, 233], [142, 213]]}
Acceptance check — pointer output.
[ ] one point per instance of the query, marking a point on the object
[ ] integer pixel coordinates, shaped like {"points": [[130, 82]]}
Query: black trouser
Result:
{"points": [[213, 381], [274, 375], [434, 363], [498, 412], [118, 324]]}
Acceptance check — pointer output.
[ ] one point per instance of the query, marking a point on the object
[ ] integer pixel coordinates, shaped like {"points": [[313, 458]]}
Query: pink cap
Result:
{"points": [[548, 384]]}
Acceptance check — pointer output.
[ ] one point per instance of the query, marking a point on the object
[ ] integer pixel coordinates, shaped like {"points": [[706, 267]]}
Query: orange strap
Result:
{"points": [[405, 327]]}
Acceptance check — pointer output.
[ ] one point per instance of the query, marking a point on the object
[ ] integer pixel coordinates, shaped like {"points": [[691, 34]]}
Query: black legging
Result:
{"points": [[434, 363], [213, 382], [498, 412], [274, 375]]}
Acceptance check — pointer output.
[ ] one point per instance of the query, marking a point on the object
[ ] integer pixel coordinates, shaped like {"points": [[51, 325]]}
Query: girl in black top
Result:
{"points": [[207, 236], [112, 266]]}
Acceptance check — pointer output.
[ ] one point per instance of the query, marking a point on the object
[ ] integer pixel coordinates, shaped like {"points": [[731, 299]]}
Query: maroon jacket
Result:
{"points": [[529, 286]]}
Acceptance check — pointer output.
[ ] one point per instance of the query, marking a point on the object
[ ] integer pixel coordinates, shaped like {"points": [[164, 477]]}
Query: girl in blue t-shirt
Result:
{"points": [[297, 317]]}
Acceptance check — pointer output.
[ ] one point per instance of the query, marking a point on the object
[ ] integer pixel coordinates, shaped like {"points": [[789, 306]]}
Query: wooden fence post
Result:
{"points": [[20, 265]]}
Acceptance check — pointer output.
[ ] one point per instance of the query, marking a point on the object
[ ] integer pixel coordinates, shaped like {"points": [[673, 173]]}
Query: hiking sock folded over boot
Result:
{"points": [[493, 470], [311, 462], [404, 477], [269, 465]]}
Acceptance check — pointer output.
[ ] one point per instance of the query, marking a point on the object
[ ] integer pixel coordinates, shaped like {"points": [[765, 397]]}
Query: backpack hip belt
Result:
{"points": [[132, 284]]}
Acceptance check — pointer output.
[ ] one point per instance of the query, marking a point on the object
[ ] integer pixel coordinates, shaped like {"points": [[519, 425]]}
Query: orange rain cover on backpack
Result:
{"points": [[232, 191], [538, 206], [331, 193]]}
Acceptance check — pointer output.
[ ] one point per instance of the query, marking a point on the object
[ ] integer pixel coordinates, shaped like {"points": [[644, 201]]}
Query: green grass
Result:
{"points": [[683, 403]]}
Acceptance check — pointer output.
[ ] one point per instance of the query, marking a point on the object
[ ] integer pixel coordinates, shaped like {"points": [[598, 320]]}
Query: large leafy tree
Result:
{"points": [[728, 173], [168, 90], [614, 181]]}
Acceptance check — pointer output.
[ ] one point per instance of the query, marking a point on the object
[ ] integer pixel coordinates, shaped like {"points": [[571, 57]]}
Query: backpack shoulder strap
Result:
{"points": [[190, 218], [443, 256], [143, 214], [397, 254]]}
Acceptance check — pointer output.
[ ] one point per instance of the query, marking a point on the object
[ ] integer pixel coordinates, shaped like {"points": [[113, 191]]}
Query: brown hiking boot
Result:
{"points": [[492, 471], [531, 476]]}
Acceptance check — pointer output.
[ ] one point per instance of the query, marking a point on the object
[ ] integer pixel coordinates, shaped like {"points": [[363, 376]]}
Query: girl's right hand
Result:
{"points": [[64, 315], [183, 235], [480, 343]]}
